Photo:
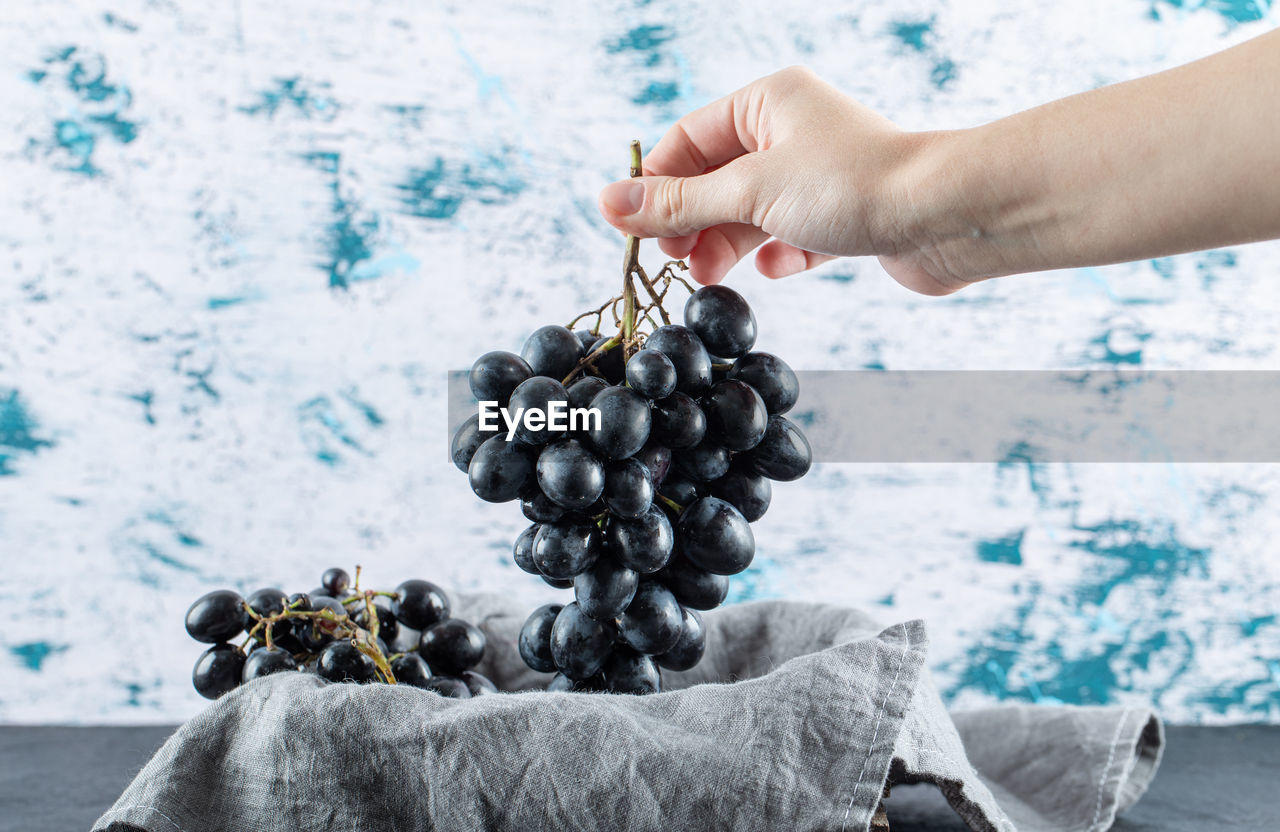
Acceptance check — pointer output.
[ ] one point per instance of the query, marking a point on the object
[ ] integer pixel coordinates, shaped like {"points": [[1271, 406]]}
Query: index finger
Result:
{"points": [[707, 137]]}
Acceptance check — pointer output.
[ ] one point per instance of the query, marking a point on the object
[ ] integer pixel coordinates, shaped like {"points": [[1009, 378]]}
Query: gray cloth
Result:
{"points": [[796, 718]]}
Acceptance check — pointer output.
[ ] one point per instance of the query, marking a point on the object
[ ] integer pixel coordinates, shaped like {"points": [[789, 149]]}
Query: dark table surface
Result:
{"points": [[63, 778]]}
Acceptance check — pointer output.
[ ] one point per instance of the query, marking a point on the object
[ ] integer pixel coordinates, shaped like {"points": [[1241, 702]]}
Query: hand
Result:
{"points": [[787, 157]]}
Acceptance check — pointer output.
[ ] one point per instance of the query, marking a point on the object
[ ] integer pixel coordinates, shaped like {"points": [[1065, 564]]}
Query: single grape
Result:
{"points": [[342, 661], [586, 337], [736, 415], [496, 374], [579, 643], [687, 354], [715, 536], [643, 544], [449, 687], [312, 635], [478, 685], [678, 421], [722, 320], [388, 625], [623, 424], [567, 548], [452, 646], [552, 351], [534, 641], [466, 440], [217, 671], [771, 377], [289, 642], [335, 581], [539, 508], [537, 395], [582, 391], [609, 363], [652, 622], [411, 669], [558, 583], [522, 551], [300, 602], [688, 650], [784, 453], [500, 469], [627, 671], [604, 591], [704, 462], [267, 660], [655, 457], [419, 604], [267, 602], [216, 616], [745, 490], [628, 488], [561, 683], [681, 490], [694, 586], [651, 374], [570, 475]]}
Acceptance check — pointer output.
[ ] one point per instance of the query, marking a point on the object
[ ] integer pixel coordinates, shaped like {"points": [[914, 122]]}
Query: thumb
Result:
{"points": [[674, 206]]}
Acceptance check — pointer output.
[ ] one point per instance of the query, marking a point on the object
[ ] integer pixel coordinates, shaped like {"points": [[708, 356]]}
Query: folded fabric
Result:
{"points": [[796, 719]]}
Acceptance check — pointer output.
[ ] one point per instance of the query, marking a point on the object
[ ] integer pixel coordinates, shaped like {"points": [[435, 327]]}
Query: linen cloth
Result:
{"points": [[795, 719]]}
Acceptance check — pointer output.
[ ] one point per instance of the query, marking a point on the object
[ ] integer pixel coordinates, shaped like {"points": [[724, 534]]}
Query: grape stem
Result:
{"points": [[671, 504]]}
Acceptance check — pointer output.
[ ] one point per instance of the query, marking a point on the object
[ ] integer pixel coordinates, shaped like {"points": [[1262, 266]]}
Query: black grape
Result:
{"points": [[643, 544], [784, 453], [652, 622], [722, 320], [552, 351], [579, 643], [771, 377], [388, 625], [534, 641], [678, 421], [570, 475], [605, 590], [566, 548], [715, 536], [651, 374], [537, 394], [522, 552], [335, 581], [586, 337], [496, 374], [558, 583], [410, 669], [539, 508], [623, 424], [452, 646], [420, 604], [342, 661], [609, 364], [500, 469], [466, 440], [582, 391], [687, 354], [688, 650], [267, 602], [745, 490], [736, 415], [476, 684], [655, 457], [627, 671], [217, 671], [561, 683], [628, 488], [216, 616], [681, 490], [267, 660], [693, 586], [449, 687], [704, 462]]}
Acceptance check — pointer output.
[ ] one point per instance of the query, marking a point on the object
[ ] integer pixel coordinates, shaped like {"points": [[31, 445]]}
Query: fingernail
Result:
{"points": [[623, 197]]}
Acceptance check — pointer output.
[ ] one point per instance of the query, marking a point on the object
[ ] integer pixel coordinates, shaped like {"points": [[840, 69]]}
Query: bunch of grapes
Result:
{"points": [[644, 512], [341, 633]]}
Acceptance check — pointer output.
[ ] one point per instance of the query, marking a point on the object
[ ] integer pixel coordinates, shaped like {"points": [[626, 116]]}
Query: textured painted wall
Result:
{"points": [[242, 247]]}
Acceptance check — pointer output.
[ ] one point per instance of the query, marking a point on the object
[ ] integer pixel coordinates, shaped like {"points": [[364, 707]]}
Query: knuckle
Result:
{"points": [[669, 201]]}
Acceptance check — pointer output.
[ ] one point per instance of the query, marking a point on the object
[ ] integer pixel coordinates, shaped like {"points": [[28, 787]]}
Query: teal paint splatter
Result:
{"points": [[321, 426], [33, 654], [118, 22], [913, 34], [146, 398], [918, 36], [1251, 627], [643, 39], [1002, 550], [1233, 12], [837, 277], [298, 96], [944, 72], [657, 92], [1164, 266], [18, 431], [102, 104], [1110, 355], [437, 192], [1133, 551]]}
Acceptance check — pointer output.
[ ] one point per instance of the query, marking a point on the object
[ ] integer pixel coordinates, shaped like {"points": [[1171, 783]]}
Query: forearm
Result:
{"points": [[1179, 161]]}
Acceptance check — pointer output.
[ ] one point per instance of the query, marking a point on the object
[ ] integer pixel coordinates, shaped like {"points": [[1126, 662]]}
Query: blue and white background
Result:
{"points": [[243, 243]]}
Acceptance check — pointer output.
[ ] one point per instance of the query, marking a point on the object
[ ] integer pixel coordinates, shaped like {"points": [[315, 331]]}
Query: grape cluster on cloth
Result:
{"points": [[646, 513]]}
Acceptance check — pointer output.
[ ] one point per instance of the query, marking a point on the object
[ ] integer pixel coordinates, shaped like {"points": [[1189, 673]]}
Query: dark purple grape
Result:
{"points": [[605, 590], [678, 421], [216, 616], [652, 623], [623, 424], [715, 536], [449, 687], [546, 402], [570, 474], [651, 374], [289, 642], [558, 583], [722, 320], [561, 683], [704, 462], [784, 453], [579, 643], [534, 641], [745, 490], [452, 646], [552, 351], [643, 544], [478, 685], [342, 661], [267, 602], [687, 354], [567, 548], [736, 415], [586, 337], [681, 490], [267, 660], [539, 508], [388, 625], [335, 581], [217, 671], [627, 671], [608, 364], [771, 377], [419, 604], [312, 636], [688, 651], [466, 440], [582, 391], [655, 457], [628, 488], [299, 602], [693, 586], [522, 552], [500, 469], [411, 669], [496, 374]]}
